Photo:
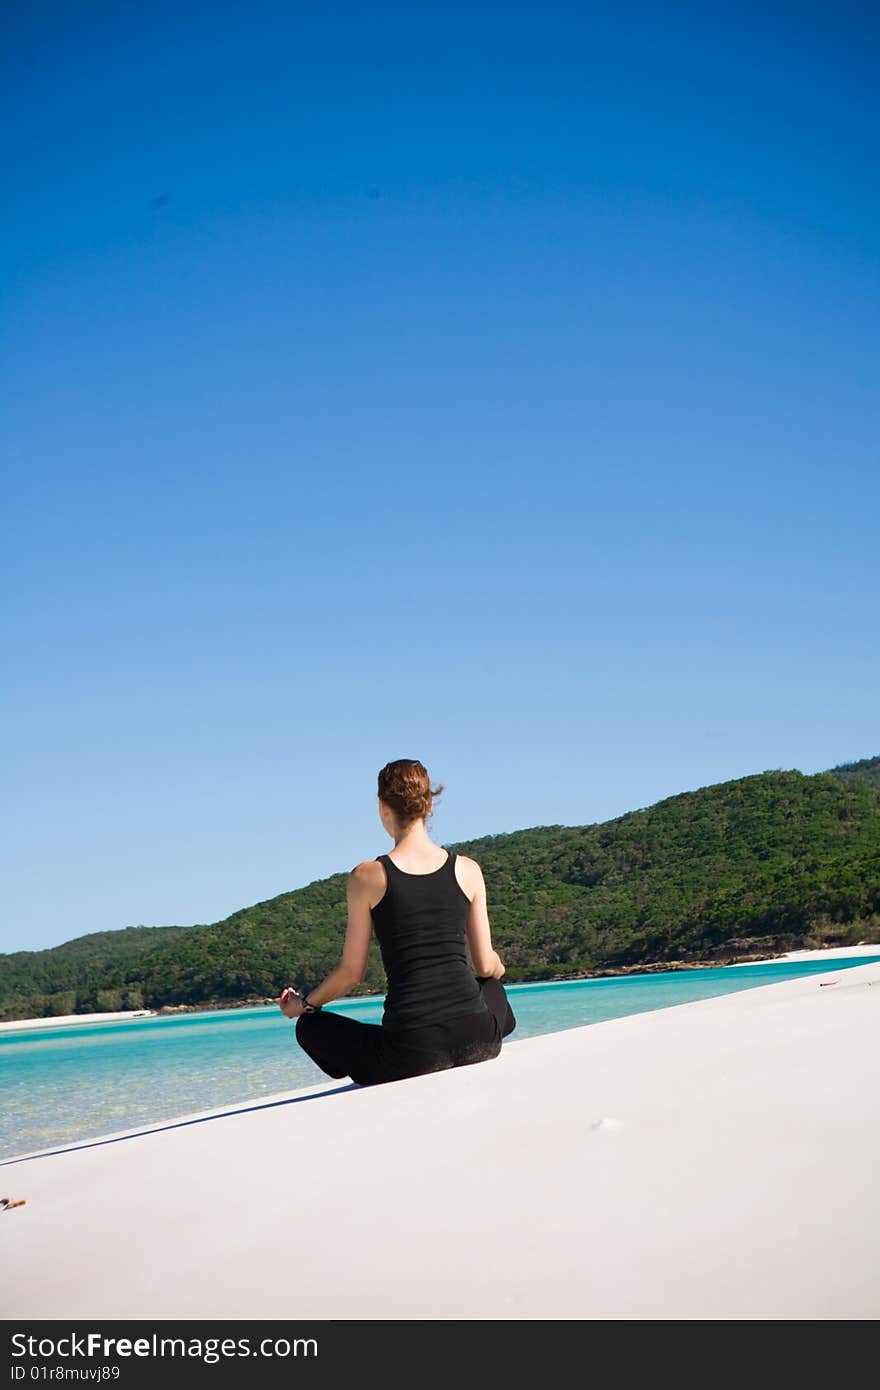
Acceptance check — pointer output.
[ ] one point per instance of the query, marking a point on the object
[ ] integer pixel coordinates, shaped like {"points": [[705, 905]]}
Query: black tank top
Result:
{"points": [[420, 925]]}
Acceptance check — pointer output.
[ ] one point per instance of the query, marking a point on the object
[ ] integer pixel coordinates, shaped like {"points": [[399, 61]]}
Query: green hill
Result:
{"points": [[753, 866], [866, 771]]}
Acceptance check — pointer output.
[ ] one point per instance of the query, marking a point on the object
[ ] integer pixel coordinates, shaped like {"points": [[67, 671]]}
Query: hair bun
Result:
{"points": [[405, 786]]}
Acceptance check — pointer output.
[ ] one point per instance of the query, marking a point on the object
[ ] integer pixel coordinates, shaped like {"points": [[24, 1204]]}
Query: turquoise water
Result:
{"points": [[64, 1084]]}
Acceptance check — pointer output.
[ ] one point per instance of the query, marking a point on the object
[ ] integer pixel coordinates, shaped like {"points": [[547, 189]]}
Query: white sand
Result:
{"points": [[59, 1020], [864, 948], [718, 1159]]}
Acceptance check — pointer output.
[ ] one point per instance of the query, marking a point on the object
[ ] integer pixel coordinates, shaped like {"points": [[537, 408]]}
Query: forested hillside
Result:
{"points": [[760, 864], [867, 770]]}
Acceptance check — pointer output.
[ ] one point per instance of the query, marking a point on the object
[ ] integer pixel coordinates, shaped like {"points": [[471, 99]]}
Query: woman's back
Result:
{"points": [[420, 924], [438, 1012]]}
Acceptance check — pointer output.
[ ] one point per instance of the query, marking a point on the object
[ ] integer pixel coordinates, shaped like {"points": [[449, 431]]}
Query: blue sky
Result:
{"points": [[490, 386]]}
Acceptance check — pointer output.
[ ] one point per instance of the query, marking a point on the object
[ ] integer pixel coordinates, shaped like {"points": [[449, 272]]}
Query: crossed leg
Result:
{"points": [[343, 1046]]}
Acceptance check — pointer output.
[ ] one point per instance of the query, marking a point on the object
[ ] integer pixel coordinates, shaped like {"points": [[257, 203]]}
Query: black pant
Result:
{"points": [[371, 1054]]}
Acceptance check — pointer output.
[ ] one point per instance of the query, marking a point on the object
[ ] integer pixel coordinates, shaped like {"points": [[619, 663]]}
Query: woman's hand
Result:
{"points": [[290, 1003]]}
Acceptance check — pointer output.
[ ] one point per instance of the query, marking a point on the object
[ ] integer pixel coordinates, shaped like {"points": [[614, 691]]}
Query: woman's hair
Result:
{"points": [[405, 786]]}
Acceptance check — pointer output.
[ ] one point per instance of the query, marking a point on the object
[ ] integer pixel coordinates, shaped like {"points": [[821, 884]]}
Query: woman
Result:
{"points": [[421, 905]]}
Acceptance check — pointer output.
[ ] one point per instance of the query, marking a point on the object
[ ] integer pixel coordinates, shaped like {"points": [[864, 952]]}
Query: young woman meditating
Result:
{"points": [[422, 904]]}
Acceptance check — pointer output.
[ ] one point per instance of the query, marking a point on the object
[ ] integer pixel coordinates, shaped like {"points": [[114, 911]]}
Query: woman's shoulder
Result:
{"points": [[368, 867], [368, 872], [367, 883], [468, 861], [468, 873]]}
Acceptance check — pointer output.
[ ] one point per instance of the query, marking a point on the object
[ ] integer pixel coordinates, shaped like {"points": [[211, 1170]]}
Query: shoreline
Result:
{"points": [[653, 968], [60, 1020]]}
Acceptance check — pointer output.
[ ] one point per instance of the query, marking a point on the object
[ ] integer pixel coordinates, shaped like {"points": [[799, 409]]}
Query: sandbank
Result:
{"points": [[62, 1020], [864, 948]]}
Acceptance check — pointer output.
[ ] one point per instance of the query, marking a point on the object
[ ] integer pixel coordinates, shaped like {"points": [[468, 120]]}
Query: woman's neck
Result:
{"points": [[415, 841]]}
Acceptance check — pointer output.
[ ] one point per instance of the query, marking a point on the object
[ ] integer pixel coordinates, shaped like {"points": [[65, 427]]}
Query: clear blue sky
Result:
{"points": [[495, 386]]}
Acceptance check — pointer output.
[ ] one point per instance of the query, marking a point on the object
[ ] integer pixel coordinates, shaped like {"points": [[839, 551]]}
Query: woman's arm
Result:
{"points": [[486, 960], [353, 963]]}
